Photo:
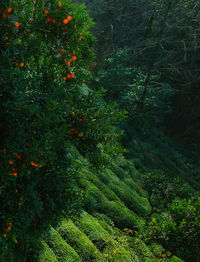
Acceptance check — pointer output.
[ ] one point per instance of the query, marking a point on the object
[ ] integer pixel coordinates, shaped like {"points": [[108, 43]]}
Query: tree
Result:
{"points": [[46, 110]]}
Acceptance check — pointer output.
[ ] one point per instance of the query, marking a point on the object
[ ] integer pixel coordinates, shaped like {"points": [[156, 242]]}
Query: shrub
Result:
{"points": [[79, 241], [128, 195], [63, 251], [41, 252], [95, 232], [179, 229]]}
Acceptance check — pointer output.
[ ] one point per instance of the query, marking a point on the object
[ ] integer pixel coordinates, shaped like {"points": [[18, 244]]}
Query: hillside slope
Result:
{"points": [[116, 206]]}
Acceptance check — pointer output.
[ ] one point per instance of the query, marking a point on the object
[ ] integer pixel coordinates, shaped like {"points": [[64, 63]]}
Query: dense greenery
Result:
{"points": [[96, 162], [45, 109]]}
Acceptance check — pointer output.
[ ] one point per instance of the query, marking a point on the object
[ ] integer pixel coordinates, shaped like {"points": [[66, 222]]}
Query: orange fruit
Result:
{"points": [[72, 75], [46, 12], [54, 21], [8, 229], [4, 235], [67, 63], [11, 162], [74, 52], [59, 4], [80, 134], [21, 64], [17, 25], [65, 21], [69, 18], [20, 204], [17, 156], [48, 19], [9, 10], [10, 223], [68, 76], [74, 58], [84, 81]]}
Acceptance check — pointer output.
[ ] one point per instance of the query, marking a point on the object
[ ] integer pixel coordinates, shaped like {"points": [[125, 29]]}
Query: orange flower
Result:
{"points": [[80, 134], [72, 75], [9, 10], [67, 63], [10, 223], [16, 190], [20, 204], [21, 64], [80, 38], [64, 78], [46, 12], [17, 25], [11, 162], [84, 81], [65, 21], [59, 4], [17, 156], [74, 58], [54, 20], [73, 113], [69, 18], [4, 235], [68, 76]]}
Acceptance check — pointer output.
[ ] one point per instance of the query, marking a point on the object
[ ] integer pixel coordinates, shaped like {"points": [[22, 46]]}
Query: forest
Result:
{"points": [[99, 131]]}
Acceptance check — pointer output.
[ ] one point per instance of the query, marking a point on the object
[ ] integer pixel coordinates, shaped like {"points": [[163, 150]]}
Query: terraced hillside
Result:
{"points": [[115, 209]]}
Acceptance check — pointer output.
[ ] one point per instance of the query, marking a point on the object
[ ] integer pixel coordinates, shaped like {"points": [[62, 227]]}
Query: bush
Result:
{"points": [[95, 232], [179, 229], [41, 252], [128, 195], [79, 241], [61, 249]]}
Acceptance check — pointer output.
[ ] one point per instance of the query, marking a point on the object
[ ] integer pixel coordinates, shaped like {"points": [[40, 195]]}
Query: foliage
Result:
{"points": [[45, 111], [79, 241], [128, 85], [162, 38], [178, 229], [64, 252], [163, 190]]}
